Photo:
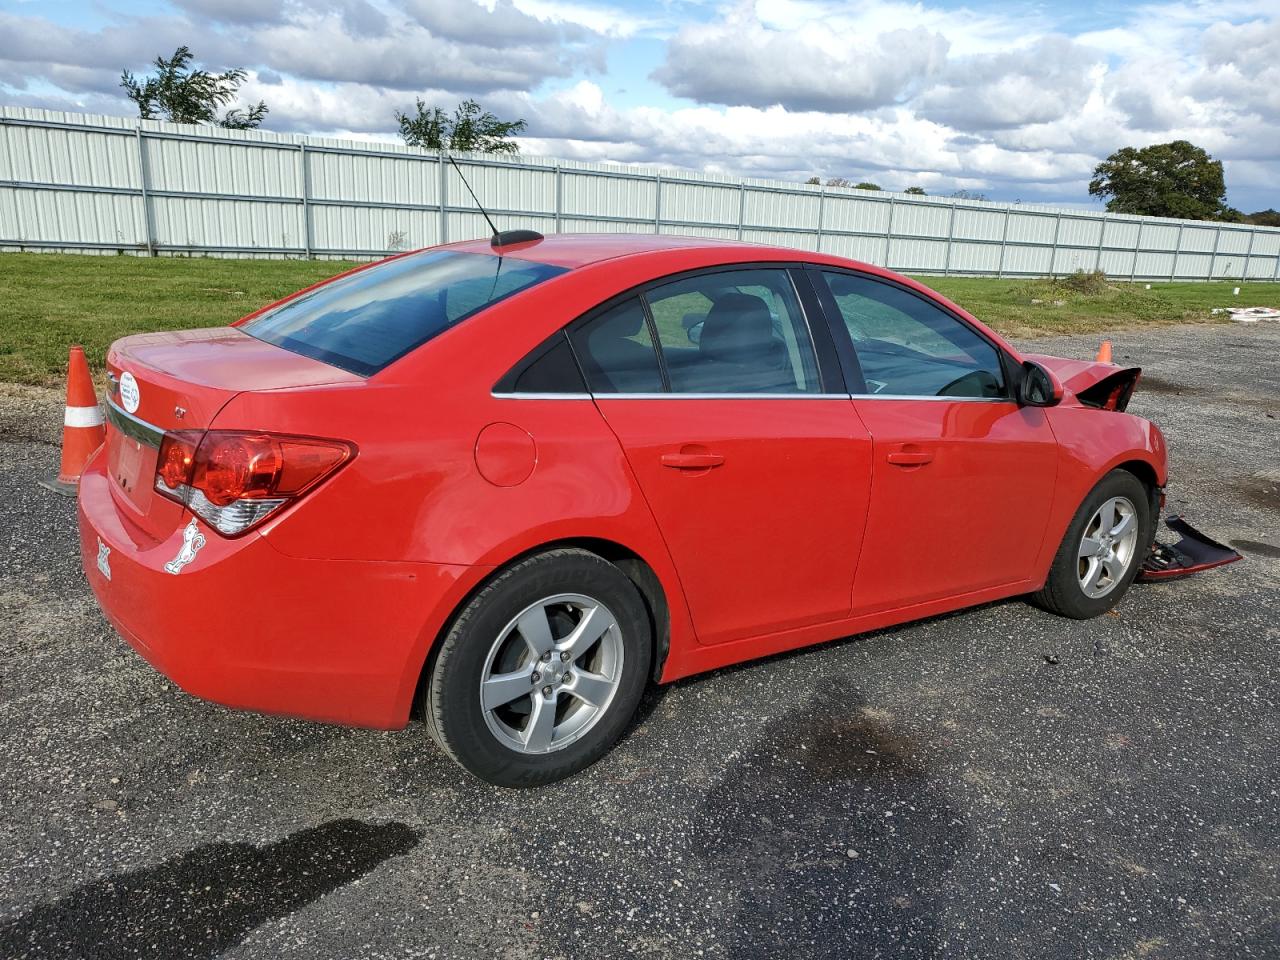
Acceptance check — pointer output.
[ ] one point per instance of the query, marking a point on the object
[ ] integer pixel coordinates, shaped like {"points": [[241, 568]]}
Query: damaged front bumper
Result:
{"points": [[1191, 554]]}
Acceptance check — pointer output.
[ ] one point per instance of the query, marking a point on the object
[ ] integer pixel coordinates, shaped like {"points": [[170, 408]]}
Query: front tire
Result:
{"points": [[1102, 551], [541, 671]]}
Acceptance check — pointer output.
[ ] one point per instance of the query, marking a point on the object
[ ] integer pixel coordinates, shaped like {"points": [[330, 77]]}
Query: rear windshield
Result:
{"points": [[367, 320]]}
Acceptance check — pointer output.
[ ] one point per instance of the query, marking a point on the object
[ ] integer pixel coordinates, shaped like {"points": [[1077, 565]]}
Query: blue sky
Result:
{"points": [[1016, 101]]}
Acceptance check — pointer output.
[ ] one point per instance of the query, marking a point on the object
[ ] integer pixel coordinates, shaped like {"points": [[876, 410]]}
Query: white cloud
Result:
{"points": [[600, 19], [741, 61], [1041, 83], [1005, 100]]}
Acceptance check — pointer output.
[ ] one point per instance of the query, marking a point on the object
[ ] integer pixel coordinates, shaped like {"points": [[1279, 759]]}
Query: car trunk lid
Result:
{"points": [[180, 381]]}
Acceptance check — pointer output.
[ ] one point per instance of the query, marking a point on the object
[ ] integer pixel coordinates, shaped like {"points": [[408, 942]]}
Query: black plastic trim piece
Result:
{"points": [[507, 384], [509, 238]]}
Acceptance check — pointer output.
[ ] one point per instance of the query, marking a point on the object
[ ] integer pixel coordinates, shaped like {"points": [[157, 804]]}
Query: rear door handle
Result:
{"points": [[692, 461], [910, 458]]}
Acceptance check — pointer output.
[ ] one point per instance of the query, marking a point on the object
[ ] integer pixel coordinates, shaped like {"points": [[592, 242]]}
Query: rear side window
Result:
{"points": [[734, 332], [369, 319], [616, 351]]}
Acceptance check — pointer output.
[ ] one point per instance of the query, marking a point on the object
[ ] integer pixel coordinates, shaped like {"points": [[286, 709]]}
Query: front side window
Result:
{"points": [[907, 347], [367, 320], [737, 331]]}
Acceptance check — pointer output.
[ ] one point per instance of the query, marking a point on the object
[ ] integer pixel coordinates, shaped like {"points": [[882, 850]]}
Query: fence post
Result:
{"points": [[1004, 239], [1053, 254], [146, 197], [657, 203], [1213, 257], [951, 233], [1248, 255], [1177, 249], [559, 197], [1137, 252], [305, 177], [888, 235], [822, 202], [443, 190], [742, 207], [1102, 237]]}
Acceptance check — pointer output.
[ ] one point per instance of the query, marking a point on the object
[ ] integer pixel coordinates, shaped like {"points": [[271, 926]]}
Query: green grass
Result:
{"points": [[50, 301], [1031, 307]]}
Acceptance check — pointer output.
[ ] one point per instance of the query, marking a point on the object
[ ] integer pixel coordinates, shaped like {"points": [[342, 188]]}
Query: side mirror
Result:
{"points": [[1039, 387]]}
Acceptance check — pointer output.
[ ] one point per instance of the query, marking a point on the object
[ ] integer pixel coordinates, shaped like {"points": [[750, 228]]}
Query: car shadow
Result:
{"points": [[206, 900]]}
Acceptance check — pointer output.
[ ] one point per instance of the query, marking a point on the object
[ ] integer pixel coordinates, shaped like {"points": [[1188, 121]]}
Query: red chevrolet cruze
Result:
{"points": [[511, 482]]}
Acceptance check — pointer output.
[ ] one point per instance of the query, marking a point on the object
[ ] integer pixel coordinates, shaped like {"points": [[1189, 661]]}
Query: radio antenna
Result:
{"points": [[496, 235]]}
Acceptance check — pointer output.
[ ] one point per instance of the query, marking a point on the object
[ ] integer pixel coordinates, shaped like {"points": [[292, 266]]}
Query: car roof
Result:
{"points": [[583, 249]]}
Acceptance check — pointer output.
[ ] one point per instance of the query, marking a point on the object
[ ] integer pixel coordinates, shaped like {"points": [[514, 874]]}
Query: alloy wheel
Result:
{"points": [[551, 673], [1108, 547]]}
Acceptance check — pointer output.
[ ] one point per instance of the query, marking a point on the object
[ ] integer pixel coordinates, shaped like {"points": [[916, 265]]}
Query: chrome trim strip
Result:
{"points": [[134, 427], [721, 396], [895, 396], [741, 396], [541, 396]]}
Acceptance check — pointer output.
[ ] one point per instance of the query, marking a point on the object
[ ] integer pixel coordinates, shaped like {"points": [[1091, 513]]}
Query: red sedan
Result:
{"points": [[509, 483]]}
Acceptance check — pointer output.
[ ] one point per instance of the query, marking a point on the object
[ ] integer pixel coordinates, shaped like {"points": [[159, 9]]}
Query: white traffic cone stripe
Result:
{"points": [[83, 417]]}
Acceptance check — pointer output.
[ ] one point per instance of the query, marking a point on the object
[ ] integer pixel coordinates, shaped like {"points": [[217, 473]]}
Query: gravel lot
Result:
{"points": [[996, 783]]}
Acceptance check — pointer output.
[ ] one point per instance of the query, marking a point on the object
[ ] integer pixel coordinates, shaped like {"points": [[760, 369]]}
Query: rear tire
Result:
{"points": [[1100, 555], [541, 671]]}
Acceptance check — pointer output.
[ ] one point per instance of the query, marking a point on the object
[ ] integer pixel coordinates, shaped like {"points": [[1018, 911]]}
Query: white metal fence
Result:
{"points": [[83, 183]]}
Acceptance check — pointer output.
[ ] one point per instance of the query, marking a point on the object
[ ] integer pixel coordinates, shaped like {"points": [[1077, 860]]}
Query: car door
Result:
{"points": [[962, 477], [745, 446]]}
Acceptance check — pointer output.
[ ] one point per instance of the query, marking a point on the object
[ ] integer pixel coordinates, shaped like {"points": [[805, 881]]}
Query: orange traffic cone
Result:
{"points": [[82, 429], [1104, 352]]}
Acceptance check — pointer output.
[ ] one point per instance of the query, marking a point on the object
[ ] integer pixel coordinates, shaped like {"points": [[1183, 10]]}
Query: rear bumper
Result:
{"points": [[246, 626]]}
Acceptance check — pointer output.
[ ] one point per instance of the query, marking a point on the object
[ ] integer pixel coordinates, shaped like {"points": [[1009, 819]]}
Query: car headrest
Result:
{"points": [[619, 323], [738, 327]]}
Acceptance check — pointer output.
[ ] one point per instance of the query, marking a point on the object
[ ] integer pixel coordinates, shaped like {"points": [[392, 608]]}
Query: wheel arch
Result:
{"points": [[1148, 477], [1141, 469], [636, 568], [1077, 478]]}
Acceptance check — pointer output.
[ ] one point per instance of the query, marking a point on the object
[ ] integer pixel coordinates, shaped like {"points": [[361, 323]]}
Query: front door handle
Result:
{"points": [[910, 458], [692, 461]]}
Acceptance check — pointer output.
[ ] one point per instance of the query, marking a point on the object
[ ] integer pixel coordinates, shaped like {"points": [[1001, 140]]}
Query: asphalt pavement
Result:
{"points": [[995, 783]]}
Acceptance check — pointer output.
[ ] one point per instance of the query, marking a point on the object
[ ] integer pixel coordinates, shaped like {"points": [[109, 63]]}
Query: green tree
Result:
{"points": [[814, 181], [867, 185], [471, 129], [1264, 218], [1176, 179], [180, 94], [915, 191]]}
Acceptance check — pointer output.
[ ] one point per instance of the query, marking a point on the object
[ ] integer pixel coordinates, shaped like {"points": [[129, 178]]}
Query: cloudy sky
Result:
{"points": [[1018, 101]]}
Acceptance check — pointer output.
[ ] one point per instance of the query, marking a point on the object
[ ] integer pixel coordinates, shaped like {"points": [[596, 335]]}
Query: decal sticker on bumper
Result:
{"points": [[104, 559], [192, 541]]}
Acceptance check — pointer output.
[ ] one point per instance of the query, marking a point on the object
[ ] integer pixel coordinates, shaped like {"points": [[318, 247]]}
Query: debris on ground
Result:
{"points": [[1249, 314]]}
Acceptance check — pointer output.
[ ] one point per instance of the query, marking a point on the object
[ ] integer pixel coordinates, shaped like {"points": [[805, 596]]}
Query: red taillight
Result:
{"points": [[238, 468], [234, 479], [177, 454]]}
